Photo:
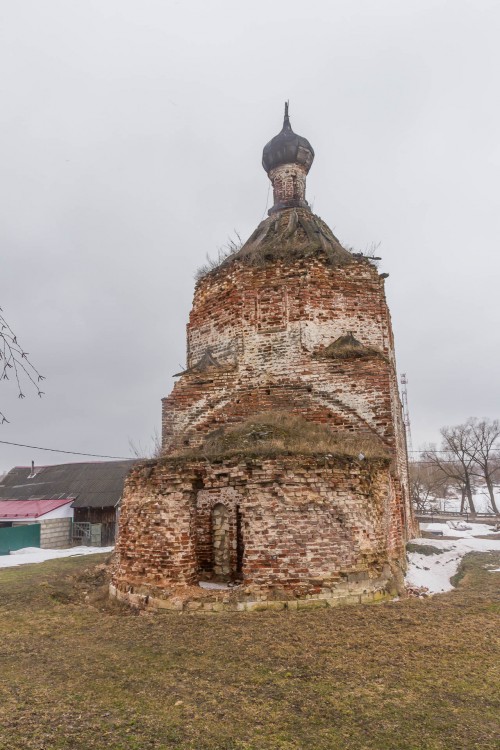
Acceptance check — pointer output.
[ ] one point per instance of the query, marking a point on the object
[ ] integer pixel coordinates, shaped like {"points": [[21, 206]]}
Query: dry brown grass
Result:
{"points": [[348, 347], [279, 432], [289, 235], [82, 673]]}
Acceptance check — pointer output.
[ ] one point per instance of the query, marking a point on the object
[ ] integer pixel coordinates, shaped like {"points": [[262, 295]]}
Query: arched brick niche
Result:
{"points": [[219, 542]]}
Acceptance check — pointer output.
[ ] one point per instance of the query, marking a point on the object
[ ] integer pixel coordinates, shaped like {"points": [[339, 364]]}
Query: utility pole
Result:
{"points": [[406, 414]]}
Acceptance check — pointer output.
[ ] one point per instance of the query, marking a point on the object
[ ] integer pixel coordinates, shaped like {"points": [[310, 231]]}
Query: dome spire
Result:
{"points": [[287, 159], [286, 119]]}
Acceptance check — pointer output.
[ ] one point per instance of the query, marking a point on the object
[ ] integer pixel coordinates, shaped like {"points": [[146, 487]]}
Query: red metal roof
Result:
{"points": [[30, 508]]}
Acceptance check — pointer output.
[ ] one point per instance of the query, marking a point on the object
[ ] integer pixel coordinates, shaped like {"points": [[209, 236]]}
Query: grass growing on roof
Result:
{"points": [[289, 235], [278, 432]]}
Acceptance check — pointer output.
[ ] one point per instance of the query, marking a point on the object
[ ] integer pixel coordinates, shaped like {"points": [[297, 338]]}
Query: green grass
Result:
{"points": [[78, 672]]}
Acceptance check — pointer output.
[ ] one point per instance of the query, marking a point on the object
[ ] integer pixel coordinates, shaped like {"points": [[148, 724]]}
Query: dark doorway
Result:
{"points": [[239, 543]]}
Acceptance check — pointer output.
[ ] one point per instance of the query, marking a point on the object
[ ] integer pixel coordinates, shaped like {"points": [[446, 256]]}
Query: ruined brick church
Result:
{"points": [[284, 479]]}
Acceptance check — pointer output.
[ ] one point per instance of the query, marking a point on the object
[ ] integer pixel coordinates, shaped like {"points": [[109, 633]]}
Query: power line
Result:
{"points": [[129, 458], [432, 450], [73, 453], [441, 463]]}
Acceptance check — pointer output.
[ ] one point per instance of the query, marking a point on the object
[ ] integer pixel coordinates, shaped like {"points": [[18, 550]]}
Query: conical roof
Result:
{"points": [[291, 234]]}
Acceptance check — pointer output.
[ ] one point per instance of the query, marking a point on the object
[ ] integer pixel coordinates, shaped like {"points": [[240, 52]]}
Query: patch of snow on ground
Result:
{"points": [[26, 551], [434, 571], [214, 586], [475, 529], [36, 555]]}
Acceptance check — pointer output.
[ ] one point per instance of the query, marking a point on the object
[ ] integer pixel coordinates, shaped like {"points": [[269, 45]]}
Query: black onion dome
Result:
{"points": [[287, 148]]}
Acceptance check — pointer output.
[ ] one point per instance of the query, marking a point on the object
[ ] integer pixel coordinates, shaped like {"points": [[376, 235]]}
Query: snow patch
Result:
{"points": [[213, 585], [26, 551], [471, 530], [29, 555], [434, 571]]}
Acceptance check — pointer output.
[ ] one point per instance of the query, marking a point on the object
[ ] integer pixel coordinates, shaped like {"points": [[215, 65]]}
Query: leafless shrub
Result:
{"points": [[369, 254], [223, 253], [153, 450]]}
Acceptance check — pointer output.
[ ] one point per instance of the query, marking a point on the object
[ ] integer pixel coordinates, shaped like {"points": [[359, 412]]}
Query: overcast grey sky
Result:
{"points": [[131, 140]]}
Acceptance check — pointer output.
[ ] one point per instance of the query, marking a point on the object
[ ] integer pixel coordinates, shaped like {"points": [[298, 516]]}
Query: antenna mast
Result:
{"points": [[406, 414]]}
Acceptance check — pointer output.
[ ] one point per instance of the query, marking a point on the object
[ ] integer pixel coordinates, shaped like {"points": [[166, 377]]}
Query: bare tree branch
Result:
{"points": [[15, 363], [456, 460], [427, 485]]}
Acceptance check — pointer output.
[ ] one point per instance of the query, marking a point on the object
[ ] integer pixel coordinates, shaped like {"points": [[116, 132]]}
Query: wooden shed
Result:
{"points": [[95, 489]]}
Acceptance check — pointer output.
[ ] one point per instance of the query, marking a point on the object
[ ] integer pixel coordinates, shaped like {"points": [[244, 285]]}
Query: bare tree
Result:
{"points": [[456, 460], [427, 485], [15, 364], [485, 443]]}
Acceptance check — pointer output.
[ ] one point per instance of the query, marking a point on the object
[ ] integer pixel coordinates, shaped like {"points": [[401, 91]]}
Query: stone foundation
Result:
{"points": [[190, 602]]}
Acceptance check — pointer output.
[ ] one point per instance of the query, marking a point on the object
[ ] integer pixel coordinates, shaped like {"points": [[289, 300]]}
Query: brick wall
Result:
{"points": [[307, 525], [289, 185], [295, 525], [266, 326]]}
